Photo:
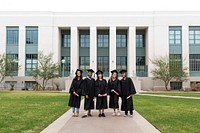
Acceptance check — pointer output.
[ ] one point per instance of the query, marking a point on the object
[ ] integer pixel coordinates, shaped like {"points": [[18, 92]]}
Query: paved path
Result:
{"points": [[157, 95], [109, 124]]}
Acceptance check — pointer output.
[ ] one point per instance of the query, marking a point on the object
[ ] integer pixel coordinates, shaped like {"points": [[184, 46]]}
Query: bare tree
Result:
{"points": [[46, 69], [7, 66], [168, 69]]}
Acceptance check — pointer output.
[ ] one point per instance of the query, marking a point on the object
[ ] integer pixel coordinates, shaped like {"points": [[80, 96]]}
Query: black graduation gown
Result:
{"points": [[88, 89], [101, 87], [127, 88], [114, 98], [76, 85]]}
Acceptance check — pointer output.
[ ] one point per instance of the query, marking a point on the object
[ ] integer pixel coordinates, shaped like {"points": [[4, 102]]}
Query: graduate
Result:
{"points": [[75, 93], [101, 92], [88, 92], [114, 90], [127, 89]]}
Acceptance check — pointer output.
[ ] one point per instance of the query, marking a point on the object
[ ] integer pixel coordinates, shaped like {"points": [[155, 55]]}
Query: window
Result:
{"points": [[175, 35], [176, 61], [66, 40], [67, 63], [14, 67], [84, 38], [12, 35], [103, 38], [140, 41], [175, 85], [32, 35], [84, 62], [31, 62], [140, 60], [103, 63], [121, 40], [194, 62], [194, 35], [121, 62]]}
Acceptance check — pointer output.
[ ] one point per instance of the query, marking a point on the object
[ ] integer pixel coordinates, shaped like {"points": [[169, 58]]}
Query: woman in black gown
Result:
{"points": [[114, 88], [127, 89], [75, 93], [101, 91]]}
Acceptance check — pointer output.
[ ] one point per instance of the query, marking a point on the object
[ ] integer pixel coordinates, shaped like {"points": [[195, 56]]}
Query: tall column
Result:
{"points": [[22, 53], [185, 52], [149, 49], [131, 50], [74, 58], [93, 48], [112, 48]]}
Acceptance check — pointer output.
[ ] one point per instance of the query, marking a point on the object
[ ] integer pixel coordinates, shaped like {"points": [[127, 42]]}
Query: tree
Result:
{"points": [[169, 68], [46, 69], [7, 66]]}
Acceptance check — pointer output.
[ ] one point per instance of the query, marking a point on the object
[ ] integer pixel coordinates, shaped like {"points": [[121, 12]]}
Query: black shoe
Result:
{"points": [[103, 115], [84, 116], [99, 115]]}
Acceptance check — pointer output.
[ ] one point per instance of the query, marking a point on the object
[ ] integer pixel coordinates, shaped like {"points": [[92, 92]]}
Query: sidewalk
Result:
{"points": [[109, 124], [168, 96]]}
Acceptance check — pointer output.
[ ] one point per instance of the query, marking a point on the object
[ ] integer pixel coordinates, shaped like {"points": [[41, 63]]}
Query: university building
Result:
{"points": [[102, 40]]}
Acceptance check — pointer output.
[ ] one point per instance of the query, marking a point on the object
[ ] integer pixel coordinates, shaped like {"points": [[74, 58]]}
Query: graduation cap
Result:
{"points": [[122, 71], [90, 70], [99, 71], [79, 71], [114, 71]]}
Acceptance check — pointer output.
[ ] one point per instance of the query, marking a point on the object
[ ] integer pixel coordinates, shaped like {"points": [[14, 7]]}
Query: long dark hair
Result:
{"points": [[110, 79], [98, 76], [81, 76]]}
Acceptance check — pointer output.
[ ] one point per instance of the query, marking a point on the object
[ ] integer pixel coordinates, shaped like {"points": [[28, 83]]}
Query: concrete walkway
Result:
{"points": [[157, 95], [109, 124]]}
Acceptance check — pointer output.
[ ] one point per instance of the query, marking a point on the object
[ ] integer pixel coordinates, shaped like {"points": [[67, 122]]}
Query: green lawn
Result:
{"points": [[170, 115], [188, 94], [30, 112]]}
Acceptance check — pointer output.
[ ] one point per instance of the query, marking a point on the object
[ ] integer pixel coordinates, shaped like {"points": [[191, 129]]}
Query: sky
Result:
{"points": [[100, 5]]}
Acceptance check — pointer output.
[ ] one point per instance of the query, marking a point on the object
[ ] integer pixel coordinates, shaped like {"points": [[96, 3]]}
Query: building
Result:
{"points": [[103, 40]]}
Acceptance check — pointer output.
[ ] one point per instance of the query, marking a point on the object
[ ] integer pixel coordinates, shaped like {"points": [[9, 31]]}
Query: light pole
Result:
{"points": [[63, 74]]}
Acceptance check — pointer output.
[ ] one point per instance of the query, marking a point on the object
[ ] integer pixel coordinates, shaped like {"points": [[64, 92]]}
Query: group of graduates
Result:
{"points": [[100, 89]]}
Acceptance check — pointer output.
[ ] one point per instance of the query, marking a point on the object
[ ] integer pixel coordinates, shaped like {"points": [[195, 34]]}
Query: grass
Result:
{"points": [[30, 112], [187, 94], [170, 115]]}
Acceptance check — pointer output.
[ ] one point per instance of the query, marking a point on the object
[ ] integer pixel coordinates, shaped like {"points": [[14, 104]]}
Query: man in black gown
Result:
{"points": [[89, 92], [127, 89]]}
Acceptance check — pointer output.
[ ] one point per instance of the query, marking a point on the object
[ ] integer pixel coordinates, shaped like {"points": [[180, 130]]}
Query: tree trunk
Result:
{"points": [[166, 84], [43, 87]]}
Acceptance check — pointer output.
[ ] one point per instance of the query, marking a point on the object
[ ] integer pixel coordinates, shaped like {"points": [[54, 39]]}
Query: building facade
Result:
{"points": [[103, 40]]}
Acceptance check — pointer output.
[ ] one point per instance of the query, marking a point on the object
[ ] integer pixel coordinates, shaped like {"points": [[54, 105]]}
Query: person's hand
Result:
{"points": [[104, 95], [100, 95], [112, 90], [87, 96]]}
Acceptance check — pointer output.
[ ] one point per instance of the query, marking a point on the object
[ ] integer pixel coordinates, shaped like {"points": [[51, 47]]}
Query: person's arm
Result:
{"points": [[96, 90], [132, 90], [71, 90]]}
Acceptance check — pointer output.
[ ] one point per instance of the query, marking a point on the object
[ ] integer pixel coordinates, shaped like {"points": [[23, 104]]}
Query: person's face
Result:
{"points": [[90, 74], [78, 73], [114, 75], [123, 75], [100, 76]]}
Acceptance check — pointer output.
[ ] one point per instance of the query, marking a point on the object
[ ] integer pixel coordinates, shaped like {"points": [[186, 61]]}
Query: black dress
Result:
{"points": [[74, 100], [101, 87], [114, 98], [127, 88], [89, 90]]}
